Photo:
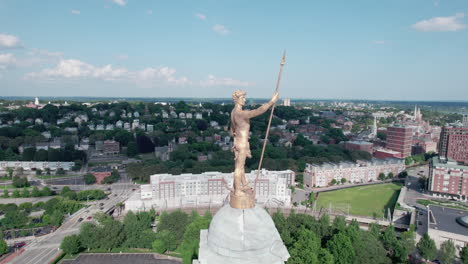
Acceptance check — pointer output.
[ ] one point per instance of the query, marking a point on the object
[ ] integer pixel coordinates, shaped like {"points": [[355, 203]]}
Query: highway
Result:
{"points": [[43, 249]]}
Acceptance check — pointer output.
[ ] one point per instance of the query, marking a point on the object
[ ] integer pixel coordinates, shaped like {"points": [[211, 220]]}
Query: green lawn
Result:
{"points": [[370, 200]]}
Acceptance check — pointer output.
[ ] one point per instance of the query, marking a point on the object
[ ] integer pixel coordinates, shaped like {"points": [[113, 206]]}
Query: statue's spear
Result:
{"points": [[269, 121]]}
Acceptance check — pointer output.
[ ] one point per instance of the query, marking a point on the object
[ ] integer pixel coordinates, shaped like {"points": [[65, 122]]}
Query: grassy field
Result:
{"points": [[370, 200]]}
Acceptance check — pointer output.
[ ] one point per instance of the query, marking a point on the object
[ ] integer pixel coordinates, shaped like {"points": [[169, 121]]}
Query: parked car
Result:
{"points": [[89, 217], [80, 219], [19, 245]]}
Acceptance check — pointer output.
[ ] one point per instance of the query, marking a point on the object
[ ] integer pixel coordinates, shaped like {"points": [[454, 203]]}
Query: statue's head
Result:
{"points": [[239, 97]]}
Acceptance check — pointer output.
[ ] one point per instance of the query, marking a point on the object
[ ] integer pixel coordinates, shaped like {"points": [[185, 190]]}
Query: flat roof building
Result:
{"points": [[210, 189], [321, 175], [454, 143], [447, 178], [399, 138]]}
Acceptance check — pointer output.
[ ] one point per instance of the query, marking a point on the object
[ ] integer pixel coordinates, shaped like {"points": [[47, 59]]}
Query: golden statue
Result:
{"points": [[242, 196]]}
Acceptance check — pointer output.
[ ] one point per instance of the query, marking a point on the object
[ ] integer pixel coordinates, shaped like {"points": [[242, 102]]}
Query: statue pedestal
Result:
{"points": [[245, 200], [246, 236]]}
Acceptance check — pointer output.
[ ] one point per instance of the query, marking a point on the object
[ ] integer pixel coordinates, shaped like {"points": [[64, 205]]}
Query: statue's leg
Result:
{"points": [[238, 173]]}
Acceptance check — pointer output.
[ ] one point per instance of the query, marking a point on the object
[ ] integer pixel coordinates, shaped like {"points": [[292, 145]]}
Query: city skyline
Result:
{"points": [[125, 48]]}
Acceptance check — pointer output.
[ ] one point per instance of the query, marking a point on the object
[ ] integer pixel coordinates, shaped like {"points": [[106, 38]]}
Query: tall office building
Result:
{"points": [[454, 144], [399, 138], [465, 120]]}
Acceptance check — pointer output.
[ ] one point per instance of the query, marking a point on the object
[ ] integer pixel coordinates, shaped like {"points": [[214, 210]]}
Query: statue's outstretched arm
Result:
{"points": [[262, 109]]}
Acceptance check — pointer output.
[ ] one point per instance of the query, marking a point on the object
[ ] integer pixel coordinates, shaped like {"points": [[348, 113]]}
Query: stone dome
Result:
{"points": [[242, 236]]}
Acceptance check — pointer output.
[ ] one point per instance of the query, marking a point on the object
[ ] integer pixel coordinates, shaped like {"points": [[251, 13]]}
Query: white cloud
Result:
{"points": [[161, 73], [9, 41], [77, 69], [149, 12], [75, 12], [220, 29], [380, 42], [119, 2], [215, 81], [440, 24], [200, 16], [7, 60]]}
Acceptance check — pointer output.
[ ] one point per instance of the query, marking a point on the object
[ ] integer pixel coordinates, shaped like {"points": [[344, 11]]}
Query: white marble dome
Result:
{"points": [[246, 236]]}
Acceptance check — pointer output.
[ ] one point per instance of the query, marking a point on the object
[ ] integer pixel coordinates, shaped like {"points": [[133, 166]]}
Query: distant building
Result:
{"points": [[359, 145], [164, 153], [382, 153], [135, 124], [453, 144], [35, 165], [399, 138], [465, 120], [286, 102], [447, 178], [321, 175], [111, 147], [209, 189], [328, 114]]}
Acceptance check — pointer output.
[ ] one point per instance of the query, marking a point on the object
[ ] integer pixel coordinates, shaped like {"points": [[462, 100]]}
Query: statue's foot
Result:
{"points": [[239, 193]]}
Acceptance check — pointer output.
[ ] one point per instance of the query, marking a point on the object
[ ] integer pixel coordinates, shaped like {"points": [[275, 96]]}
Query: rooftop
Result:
{"points": [[119, 259], [448, 164], [445, 219]]}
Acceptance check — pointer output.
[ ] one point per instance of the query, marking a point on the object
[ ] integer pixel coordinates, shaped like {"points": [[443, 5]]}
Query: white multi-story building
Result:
{"points": [[32, 165], [210, 189], [320, 175]]}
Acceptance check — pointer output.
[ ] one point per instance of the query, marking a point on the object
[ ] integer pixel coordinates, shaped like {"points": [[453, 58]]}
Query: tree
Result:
{"points": [[71, 244], [89, 178], [389, 239], [369, 250], [35, 192], [390, 175], [38, 172], [16, 193], [325, 257], [447, 252], [341, 248], [426, 247], [382, 135], [3, 247], [191, 240], [343, 180], [132, 149], [6, 194], [159, 246], [175, 222], [333, 182], [46, 191], [339, 224], [60, 171], [305, 249], [381, 176], [20, 182], [405, 246], [25, 193], [464, 255]]}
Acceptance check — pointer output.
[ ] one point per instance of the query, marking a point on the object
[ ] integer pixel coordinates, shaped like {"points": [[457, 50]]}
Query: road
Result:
{"points": [[43, 249]]}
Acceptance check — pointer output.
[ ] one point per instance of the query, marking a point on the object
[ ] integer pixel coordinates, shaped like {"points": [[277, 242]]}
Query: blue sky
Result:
{"points": [[398, 49]]}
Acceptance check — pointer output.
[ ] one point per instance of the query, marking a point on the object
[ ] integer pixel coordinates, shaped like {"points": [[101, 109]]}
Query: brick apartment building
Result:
{"points": [[454, 144], [400, 138], [447, 178]]}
